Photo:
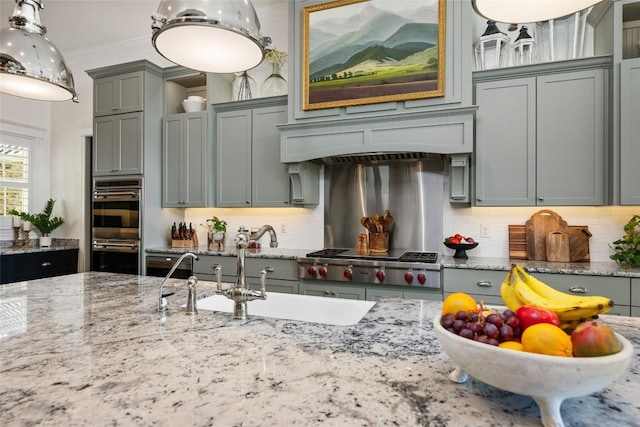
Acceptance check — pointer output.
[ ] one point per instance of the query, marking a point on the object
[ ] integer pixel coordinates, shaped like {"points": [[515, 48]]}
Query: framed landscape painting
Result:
{"points": [[371, 51]]}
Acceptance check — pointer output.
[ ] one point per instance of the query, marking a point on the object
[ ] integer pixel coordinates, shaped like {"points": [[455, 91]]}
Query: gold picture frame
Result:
{"points": [[358, 52]]}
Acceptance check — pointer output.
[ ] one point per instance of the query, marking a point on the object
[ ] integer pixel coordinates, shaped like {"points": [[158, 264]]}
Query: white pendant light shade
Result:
{"points": [[30, 65], [217, 36], [525, 11]]}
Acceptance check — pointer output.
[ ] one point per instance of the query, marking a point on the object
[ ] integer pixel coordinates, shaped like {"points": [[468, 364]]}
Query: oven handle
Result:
{"points": [[115, 247], [115, 194]]}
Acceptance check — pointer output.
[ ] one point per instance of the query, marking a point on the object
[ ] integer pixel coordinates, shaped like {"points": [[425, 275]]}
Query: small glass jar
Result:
{"points": [[244, 87]]}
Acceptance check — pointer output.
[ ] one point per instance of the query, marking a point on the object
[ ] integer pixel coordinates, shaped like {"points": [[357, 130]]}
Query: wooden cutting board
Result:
{"points": [[537, 228], [578, 242]]}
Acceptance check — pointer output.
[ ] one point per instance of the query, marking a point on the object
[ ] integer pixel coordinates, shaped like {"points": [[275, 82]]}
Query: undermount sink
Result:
{"points": [[329, 311]]}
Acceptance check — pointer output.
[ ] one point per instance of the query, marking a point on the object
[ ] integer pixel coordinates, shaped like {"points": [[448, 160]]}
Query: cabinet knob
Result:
{"points": [[541, 198], [479, 199], [578, 289], [484, 284], [286, 202], [46, 264], [248, 202]]}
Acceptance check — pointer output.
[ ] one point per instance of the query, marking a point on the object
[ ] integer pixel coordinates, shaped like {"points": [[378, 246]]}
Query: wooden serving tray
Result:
{"points": [[518, 241]]}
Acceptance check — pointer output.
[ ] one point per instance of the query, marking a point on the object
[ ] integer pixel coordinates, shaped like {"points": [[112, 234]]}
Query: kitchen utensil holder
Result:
{"points": [[379, 242]]}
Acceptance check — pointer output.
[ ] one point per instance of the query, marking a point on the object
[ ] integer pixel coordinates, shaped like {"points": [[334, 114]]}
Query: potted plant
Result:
{"points": [[43, 221], [217, 229], [627, 248]]}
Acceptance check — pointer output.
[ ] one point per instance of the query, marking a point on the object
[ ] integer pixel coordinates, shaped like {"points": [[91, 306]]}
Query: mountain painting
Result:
{"points": [[371, 51]]}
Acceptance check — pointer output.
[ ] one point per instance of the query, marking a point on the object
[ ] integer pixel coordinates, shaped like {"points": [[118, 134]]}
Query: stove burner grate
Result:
{"points": [[428, 257], [326, 253]]}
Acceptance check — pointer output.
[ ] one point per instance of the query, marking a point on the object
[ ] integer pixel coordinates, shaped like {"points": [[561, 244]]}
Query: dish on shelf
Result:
{"points": [[192, 106]]}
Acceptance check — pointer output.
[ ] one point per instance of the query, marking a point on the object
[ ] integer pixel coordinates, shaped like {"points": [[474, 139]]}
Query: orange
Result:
{"points": [[545, 338], [459, 301], [511, 345]]}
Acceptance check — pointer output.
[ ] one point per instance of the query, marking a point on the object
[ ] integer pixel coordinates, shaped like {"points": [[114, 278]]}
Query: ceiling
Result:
{"points": [[78, 25]]}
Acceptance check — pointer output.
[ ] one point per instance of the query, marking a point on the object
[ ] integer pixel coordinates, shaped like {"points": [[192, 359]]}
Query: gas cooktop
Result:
{"points": [[391, 255]]}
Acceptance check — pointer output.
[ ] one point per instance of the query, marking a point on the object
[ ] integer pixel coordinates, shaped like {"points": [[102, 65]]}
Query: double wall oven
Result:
{"points": [[116, 225]]}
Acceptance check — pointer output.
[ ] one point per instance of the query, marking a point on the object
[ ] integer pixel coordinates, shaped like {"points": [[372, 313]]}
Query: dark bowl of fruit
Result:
{"points": [[460, 244]]}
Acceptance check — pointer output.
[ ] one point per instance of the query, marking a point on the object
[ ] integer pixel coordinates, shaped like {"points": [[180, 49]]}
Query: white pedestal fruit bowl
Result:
{"points": [[547, 379]]}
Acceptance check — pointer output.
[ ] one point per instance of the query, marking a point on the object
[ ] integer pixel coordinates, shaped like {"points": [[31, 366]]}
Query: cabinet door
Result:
{"points": [[505, 143], [233, 158], [270, 178], [118, 94], [128, 154], [375, 294], [316, 290], [570, 138], [483, 285], [105, 139], [184, 160], [629, 132], [171, 160], [117, 144]]}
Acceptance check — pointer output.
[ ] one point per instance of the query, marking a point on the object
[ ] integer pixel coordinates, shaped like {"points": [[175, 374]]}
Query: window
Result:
{"points": [[15, 156]]}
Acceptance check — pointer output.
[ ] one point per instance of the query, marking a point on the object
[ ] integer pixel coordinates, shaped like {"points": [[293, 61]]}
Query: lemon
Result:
{"points": [[545, 338], [511, 345]]}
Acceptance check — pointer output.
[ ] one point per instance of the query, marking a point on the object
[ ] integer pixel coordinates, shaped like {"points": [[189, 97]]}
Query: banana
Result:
{"points": [[531, 291], [554, 294], [508, 296]]}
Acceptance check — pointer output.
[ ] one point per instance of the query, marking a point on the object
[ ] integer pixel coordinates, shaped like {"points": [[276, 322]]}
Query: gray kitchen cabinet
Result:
{"points": [[249, 171], [629, 132], [118, 94], [117, 144], [635, 297], [483, 285], [282, 275], [616, 288], [185, 158], [540, 135], [333, 290]]}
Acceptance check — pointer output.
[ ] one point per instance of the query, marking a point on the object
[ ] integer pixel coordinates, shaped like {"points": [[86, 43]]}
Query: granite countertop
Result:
{"points": [[57, 245], [472, 263], [91, 349]]}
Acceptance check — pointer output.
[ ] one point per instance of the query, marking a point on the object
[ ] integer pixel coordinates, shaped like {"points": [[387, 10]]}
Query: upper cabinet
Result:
{"points": [[184, 160], [541, 134], [126, 125], [249, 171], [629, 132], [118, 94]]}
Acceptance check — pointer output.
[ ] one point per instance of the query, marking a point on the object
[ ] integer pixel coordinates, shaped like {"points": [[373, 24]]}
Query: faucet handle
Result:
{"points": [[242, 229], [192, 307]]}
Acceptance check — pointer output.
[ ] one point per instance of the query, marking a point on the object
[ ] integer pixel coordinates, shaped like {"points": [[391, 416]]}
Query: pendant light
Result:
{"points": [[30, 65], [525, 11], [216, 36]]}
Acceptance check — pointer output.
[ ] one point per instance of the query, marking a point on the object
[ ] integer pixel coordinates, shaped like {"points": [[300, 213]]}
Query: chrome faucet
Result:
{"points": [[260, 232], [240, 292], [191, 286]]}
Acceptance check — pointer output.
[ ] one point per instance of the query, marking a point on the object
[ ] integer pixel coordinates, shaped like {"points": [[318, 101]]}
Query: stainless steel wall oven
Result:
{"points": [[116, 225]]}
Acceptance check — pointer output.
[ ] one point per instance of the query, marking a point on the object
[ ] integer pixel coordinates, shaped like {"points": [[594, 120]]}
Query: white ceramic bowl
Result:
{"points": [[195, 98], [547, 379], [192, 106]]}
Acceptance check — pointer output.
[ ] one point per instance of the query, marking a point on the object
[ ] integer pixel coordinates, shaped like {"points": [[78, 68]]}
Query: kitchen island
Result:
{"points": [[91, 349]]}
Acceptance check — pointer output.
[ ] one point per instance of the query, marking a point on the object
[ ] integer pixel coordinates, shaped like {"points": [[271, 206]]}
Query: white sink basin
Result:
{"points": [[330, 311]]}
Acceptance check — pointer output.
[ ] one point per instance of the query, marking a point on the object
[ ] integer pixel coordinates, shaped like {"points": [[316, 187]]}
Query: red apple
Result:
{"points": [[529, 315], [593, 339]]}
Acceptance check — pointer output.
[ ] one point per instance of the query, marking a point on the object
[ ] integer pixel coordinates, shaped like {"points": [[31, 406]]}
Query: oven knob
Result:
{"points": [[422, 278], [311, 271], [322, 271], [380, 275], [348, 273], [408, 277]]}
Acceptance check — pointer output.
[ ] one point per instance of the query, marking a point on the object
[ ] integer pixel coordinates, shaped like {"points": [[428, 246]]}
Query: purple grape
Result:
{"points": [[493, 341], [508, 313], [461, 315], [466, 333], [506, 333], [447, 321], [491, 330], [495, 319], [513, 321], [459, 325], [474, 327], [473, 316]]}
